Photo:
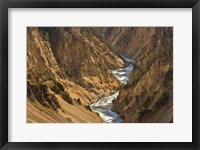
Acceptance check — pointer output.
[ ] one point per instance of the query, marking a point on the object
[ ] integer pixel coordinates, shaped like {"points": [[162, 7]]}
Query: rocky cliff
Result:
{"points": [[148, 96], [63, 71], [85, 58], [68, 68], [134, 42]]}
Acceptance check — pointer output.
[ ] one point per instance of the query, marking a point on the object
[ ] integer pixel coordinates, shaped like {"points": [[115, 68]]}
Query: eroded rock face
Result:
{"points": [[85, 58], [64, 70], [134, 42], [70, 68], [148, 97]]}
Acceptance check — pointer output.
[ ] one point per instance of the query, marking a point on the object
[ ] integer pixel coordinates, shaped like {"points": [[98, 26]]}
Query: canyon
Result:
{"points": [[99, 74]]}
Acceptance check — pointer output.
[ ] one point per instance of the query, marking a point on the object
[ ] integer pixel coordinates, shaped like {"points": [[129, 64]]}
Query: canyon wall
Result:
{"points": [[70, 68], [148, 96], [134, 42], [64, 70], [85, 58]]}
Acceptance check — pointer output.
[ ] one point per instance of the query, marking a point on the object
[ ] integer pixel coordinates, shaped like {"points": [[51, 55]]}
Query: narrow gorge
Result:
{"points": [[99, 74], [104, 106]]}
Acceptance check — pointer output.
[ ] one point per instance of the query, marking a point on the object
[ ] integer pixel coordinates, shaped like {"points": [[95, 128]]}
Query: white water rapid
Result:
{"points": [[104, 105]]}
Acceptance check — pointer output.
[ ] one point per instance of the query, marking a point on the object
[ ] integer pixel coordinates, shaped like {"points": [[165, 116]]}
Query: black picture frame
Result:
{"points": [[6, 4]]}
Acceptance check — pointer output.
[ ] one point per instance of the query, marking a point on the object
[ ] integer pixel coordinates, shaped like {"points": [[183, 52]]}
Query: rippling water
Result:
{"points": [[104, 106]]}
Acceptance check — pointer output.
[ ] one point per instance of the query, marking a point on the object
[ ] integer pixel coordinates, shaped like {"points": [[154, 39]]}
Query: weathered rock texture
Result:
{"points": [[66, 72], [70, 68], [148, 97]]}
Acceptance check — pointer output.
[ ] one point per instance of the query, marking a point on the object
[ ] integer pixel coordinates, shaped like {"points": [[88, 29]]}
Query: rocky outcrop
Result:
{"points": [[85, 58], [67, 70], [48, 87], [148, 97], [134, 42], [70, 68]]}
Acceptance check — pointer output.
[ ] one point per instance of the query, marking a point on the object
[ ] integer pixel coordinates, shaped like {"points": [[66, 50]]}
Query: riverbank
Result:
{"points": [[104, 106]]}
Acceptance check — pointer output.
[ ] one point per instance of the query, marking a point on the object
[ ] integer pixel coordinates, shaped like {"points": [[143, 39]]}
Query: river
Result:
{"points": [[104, 105]]}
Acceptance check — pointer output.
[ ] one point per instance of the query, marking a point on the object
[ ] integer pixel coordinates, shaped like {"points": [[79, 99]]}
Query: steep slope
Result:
{"points": [[85, 58], [70, 68], [148, 97], [134, 42], [48, 88]]}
